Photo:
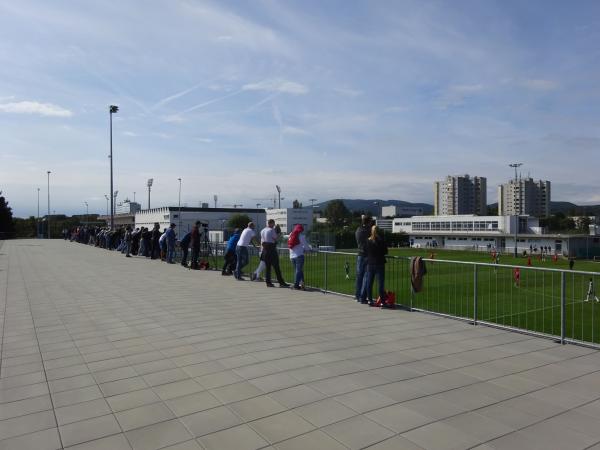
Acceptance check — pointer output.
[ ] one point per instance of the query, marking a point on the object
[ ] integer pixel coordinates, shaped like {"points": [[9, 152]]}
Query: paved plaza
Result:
{"points": [[100, 351]]}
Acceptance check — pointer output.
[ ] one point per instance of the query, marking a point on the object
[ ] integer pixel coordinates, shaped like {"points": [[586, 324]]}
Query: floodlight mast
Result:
{"points": [[113, 109], [278, 195], [149, 184]]}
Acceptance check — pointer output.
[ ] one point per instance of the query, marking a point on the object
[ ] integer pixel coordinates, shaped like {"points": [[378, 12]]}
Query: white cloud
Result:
{"points": [[294, 131], [540, 84], [42, 109], [395, 109], [277, 85], [130, 133], [348, 92], [457, 95]]}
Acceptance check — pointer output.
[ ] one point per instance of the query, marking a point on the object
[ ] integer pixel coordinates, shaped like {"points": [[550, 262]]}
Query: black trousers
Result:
{"points": [[230, 262], [272, 261]]}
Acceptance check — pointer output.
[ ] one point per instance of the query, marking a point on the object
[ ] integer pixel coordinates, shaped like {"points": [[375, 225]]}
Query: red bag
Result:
{"points": [[389, 302]]}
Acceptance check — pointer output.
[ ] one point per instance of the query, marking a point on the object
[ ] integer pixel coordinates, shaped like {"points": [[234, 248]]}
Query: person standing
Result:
{"points": [[154, 244], [241, 249], [298, 245], [230, 258], [171, 240], [362, 236], [128, 238], [185, 246], [195, 244], [268, 239], [376, 251]]}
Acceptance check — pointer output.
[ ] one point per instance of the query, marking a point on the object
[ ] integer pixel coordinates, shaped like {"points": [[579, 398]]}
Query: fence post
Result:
{"points": [[325, 272], [475, 294], [563, 306]]}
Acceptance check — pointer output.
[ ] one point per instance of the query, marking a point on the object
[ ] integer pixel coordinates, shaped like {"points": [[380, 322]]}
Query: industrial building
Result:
{"points": [[286, 218], [215, 218]]}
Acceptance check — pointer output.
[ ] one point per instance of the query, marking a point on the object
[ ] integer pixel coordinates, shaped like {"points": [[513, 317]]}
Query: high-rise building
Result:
{"points": [[524, 196], [460, 195]]}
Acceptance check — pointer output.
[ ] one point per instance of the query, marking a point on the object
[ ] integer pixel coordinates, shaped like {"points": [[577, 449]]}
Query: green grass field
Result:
{"points": [[449, 288]]}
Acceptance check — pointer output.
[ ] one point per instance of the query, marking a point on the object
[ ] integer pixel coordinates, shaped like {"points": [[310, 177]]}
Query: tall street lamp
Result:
{"points": [[179, 203], [48, 221], [87, 212], [112, 110], [37, 231]]}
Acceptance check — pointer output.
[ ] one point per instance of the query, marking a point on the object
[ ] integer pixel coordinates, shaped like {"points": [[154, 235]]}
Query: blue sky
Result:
{"points": [[326, 99]]}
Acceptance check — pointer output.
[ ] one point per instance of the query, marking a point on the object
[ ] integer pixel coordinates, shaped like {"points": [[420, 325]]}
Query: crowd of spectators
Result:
{"points": [[161, 244]]}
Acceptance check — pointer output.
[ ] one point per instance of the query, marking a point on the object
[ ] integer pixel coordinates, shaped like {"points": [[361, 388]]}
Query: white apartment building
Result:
{"points": [[460, 195], [216, 218], [400, 211], [286, 218], [524, 196]]}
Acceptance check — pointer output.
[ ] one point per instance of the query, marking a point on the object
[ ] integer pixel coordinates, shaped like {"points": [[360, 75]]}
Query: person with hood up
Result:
{"points": [[154, 244], [298, 245]]}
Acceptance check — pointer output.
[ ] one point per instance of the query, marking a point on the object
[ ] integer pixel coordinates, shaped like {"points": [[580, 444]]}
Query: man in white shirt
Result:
{"points": [[268, 238], [241, 250]]}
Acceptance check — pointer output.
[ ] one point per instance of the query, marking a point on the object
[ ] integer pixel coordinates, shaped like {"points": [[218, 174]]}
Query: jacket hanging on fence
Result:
{"points": [[417, 272]]}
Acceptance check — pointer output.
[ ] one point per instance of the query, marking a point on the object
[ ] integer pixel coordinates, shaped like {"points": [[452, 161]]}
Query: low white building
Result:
{"points": [[286, 218], [470, 232], [216, 218], [400, 211]]}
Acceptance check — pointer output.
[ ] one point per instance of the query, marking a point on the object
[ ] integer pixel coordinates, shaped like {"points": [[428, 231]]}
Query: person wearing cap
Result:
{"points": [[241, 249]]}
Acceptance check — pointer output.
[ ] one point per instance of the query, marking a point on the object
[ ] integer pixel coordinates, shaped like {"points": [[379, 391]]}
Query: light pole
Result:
{"points": [[111, 110], [133, 196], [106, 197], [179, 203], [149, 184], [48, 221], [215, 198], [257, 206], [279, 195], [312, 202], [37, 225], [87, 212]]}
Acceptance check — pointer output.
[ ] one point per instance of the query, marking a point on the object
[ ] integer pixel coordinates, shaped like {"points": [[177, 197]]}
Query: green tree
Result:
{"points": [[584, 224], [337, 214], [7, 226], [239, 221]]}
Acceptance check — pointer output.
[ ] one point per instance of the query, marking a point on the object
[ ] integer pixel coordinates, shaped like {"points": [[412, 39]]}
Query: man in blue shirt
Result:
{"points": [[230, 258]]}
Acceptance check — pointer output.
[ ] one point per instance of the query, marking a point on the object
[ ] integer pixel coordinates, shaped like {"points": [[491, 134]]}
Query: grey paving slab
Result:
{"points": [[132, 353]]}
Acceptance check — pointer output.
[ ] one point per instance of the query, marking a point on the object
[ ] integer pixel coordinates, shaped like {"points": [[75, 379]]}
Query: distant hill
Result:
{"points": [[568, 208], [370, 206]]}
